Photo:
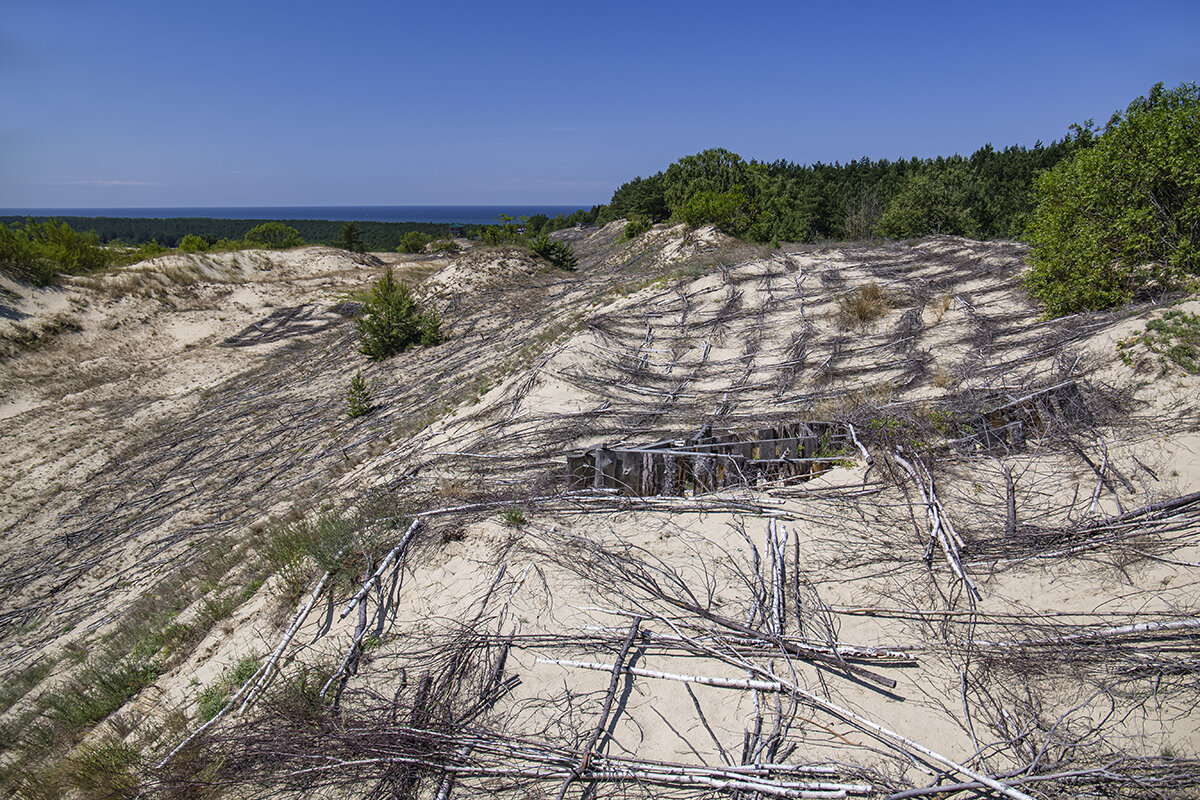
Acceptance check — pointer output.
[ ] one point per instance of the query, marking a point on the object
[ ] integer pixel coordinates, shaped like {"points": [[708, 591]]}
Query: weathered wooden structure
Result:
{"points": [[713, 460], [1008, 421]]}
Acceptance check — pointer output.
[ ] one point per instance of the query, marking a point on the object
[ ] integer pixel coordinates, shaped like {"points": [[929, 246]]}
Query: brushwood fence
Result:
{"points": [[712, 461]]}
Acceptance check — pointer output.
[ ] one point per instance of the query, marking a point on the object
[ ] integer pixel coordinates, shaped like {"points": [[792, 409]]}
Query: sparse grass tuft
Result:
{"points": [[514, 517], [104, 771], [1175, 337], [945, 378], [19, 684], [941, 305], [293, 551], [864, 305], [214, 698], [332, 540]]}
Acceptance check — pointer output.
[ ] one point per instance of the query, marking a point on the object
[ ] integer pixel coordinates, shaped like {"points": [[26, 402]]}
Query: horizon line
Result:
{"points": [[325, 205]]}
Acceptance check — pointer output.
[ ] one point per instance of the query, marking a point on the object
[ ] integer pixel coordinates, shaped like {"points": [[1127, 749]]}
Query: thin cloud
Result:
{"points": [[93, 183], [110, 183]]}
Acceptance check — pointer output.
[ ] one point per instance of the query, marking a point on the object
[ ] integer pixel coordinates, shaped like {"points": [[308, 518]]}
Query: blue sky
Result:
{"points": [[138, 103]]}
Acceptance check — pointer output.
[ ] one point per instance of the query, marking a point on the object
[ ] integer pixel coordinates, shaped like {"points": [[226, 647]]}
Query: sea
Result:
{"points": [[464, 215]]}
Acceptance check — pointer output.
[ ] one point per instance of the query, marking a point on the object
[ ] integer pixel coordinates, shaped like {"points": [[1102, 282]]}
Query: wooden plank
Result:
{"points": [[1071, 404], [765, 446], [579, 471], [604, 476], [652, 472], [809, 446], [704, 471], [631, 472], [670, 476]]}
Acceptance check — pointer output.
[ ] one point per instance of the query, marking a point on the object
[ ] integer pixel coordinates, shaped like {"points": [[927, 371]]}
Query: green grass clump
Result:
{"points": [[1175, 337], [104, 771], [636, 227], [214, 698], [339, 542], [102, 686], [19, 684]]}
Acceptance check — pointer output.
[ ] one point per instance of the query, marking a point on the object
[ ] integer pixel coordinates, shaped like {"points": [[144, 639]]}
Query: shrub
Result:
{"points": [[729, 211], [274, 235], [448, 246], [931, 201], [291, 551], [1124, 214], [193, 244], [557, 252], [413, 242], [514, 517], [507, 232], [38, 251], [351, 239], [144, 251], [358, 397], [636, 227], [392, 321]]}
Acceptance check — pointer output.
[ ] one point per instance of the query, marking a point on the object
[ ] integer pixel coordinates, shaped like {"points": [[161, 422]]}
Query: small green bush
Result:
{"points": [[1123, 215], [448, 246], [193, 244], [413, 242], [358, 397], [514, 517], [38, 251], [144, 251], [392, 321], [274, 235], [292, 551], [636, 227], [557, 252], [214, 698]]}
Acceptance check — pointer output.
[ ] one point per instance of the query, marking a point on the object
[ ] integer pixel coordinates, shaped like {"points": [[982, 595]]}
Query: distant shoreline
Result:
{"points": [[461, 215]]}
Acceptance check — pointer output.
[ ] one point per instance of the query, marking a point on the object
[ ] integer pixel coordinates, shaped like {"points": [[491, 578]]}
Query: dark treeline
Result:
{"points": [[169, 232], [986, 195]]}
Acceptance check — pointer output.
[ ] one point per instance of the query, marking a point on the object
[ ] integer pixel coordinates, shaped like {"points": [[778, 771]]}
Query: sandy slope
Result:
{"points": [[651, 337]]}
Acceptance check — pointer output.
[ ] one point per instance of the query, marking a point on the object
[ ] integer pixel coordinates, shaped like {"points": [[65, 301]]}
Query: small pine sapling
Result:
{"points": [[358, 397]]}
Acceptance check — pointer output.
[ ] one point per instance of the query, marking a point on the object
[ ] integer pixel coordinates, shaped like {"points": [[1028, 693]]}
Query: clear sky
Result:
{"points": [[165, 103]]}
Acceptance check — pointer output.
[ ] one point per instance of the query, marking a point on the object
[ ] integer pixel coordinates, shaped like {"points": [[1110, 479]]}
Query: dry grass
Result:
{"points": [[845, 404], [941, 305], [944, 378], [863, 305]]}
